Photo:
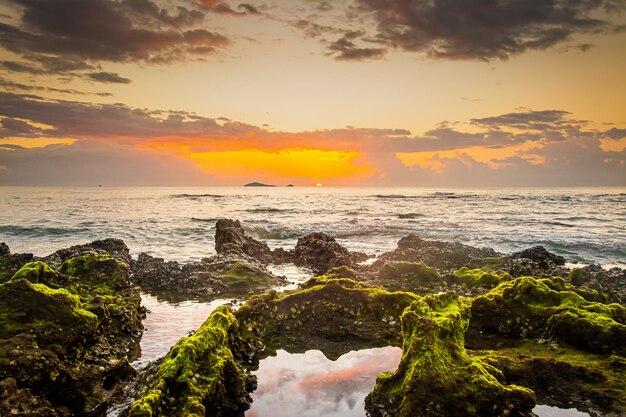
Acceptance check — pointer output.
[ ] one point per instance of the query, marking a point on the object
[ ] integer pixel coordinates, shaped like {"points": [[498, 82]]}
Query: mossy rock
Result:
{"points": [[244, 277], [55, 315], [334, 315], [564, 376], [533, 308], [436, 377], [98, 271], [473, 278], [416, 277], [494, 263], [40, 273], [199, 376]]}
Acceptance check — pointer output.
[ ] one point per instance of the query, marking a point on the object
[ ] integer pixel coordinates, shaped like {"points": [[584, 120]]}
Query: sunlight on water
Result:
{"points": [[310, 385]]}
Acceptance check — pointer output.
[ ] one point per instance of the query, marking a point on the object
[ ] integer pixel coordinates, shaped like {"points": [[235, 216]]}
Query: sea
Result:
{"points": [[585, 225]]}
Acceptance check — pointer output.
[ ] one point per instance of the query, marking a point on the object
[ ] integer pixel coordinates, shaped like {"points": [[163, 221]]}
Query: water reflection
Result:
{"points": [[310, 385], [166, 323], [548, 411]]}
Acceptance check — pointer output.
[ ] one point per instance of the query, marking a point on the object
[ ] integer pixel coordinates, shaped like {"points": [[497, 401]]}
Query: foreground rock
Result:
{"points": [[67, 336], [201, 375], [436, 377], [230, 239], [546, 337], [11, 263], [334, 315]]}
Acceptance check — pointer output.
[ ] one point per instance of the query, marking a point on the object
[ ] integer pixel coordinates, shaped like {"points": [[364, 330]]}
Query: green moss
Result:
{"points": [[330, 314], [562, 375], [245, 277], [98, 271], [436, 377], [527, 307], [341, 272], [409, 276], [479, 278], [56, 315], [199, 376], [38, 272], [489, 264]]}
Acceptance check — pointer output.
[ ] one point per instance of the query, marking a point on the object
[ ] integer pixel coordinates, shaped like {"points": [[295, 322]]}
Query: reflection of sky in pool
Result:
{"points": [[547, 411], [310, 385]]}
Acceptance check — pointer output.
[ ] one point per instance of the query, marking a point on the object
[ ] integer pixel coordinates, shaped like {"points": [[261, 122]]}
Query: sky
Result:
{"points": [[428, 93]]}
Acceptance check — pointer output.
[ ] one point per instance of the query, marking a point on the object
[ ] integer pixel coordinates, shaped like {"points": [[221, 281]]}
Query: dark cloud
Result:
{"points": [[527, 119], [12, 86], [481, 30], [63, 33], [108, 77], [345, 49], [615, 133], [223, 8], [19, 67]]}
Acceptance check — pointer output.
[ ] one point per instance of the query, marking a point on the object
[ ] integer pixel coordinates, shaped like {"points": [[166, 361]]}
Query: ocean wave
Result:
{"points": [[410, 215], [553, 223], [277, 233], [267, 210], [209, 220], [37, 231], [194, 196], [392, 196]]}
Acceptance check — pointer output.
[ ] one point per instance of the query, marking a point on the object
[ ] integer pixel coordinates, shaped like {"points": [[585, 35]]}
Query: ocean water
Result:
{"points": [[586, 225]]}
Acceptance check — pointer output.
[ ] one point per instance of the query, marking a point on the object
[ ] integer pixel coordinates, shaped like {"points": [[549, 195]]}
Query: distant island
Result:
{"points": [[289, 185], [258, 184]]}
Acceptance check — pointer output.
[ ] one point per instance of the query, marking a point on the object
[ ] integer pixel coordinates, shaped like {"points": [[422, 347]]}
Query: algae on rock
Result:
{"points": [[436, 377], [201, 375], [529, 307]]}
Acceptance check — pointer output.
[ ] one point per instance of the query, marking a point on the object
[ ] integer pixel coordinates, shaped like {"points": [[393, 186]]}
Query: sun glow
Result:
{"points": [[319, 184]]}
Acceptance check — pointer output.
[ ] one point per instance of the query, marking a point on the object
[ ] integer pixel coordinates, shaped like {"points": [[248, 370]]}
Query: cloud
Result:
{"points": [[344, 48], [70, 35], [223, 8], [108, 77], [522, 148], [478, 30], [11, 86]]}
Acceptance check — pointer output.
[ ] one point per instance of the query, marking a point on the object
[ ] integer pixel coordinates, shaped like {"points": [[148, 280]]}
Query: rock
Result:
{"points": [[115, 248], [443, 256], [594, 277], [231, 239], [542, 308], [334, 315], [9, 264], [590, 382], [472, 278], [202, 374], [258, 184], [436, 377], [540, 255], [204, 280], [67, 335], [409, 276], [321, 252]]}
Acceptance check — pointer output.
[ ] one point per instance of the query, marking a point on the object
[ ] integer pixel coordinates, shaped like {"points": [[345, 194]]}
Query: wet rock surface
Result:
{"points": [[11, 263], [67, 336], [230, 238]]}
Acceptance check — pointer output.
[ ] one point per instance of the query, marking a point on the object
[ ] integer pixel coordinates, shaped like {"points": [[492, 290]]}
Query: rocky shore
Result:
{"points": [[482, 333]]}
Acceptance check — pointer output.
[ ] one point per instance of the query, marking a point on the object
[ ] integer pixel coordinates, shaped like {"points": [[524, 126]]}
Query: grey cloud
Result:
{"points": [[345, 48], [72, 31], [615, 133], [12, 86], [108, 77], [475, 29]]}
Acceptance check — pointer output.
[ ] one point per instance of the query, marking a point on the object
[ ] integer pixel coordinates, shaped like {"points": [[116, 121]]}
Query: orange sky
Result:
{"points": [[347, 92]]}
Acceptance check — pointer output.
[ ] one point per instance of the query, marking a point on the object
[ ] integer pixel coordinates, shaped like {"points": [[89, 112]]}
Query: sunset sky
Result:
{"points": [[357, 92]]}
